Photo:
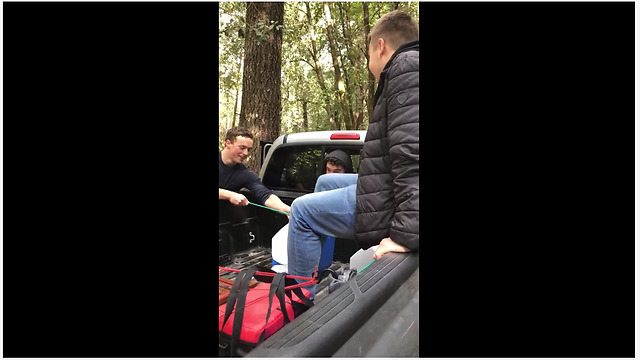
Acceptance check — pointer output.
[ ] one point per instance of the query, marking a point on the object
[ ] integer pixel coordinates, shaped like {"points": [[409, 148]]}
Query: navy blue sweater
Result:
{"points": [[236, 177]]}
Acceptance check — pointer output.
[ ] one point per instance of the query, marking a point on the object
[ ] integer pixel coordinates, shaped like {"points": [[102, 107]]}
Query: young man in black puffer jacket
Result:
{"points": [[380, 205]]}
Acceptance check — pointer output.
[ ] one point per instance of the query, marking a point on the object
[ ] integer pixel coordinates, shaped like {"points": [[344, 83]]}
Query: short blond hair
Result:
{"points": [[396, 28]]}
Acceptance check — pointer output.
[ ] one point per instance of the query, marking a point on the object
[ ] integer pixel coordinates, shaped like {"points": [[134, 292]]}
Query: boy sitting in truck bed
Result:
{"points": [[379, 205], [338, 162]]}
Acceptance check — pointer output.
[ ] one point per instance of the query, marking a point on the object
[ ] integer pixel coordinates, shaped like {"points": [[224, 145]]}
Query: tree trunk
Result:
{"points": [[339, 92], [350, 94], [318, 70], [260, 110], [235, 109], [305, 116], [236, 115], [371, 80], [355, 57]]}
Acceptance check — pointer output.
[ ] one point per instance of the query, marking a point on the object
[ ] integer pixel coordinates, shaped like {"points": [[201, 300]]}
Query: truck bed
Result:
{"points": [[374, 315]]}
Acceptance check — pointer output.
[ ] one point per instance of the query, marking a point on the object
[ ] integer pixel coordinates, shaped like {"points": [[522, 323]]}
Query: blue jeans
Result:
{"points": [[329, 211]]}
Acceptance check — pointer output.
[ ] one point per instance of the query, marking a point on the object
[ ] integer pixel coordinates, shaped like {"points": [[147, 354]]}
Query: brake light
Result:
{"points": [[345, 136]]}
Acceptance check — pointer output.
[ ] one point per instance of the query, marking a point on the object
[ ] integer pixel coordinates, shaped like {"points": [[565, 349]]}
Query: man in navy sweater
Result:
{"points": [[233, 175]]}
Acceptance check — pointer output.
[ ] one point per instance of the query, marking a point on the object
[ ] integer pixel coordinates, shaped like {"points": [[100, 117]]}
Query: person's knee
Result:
{"points": [[323, 182], [296, 206], [293, 209]]}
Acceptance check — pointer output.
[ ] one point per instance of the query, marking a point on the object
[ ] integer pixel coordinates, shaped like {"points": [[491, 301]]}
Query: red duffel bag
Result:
{"points": [[261, 310]]}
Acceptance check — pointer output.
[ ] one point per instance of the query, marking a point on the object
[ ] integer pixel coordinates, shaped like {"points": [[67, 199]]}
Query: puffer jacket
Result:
{"points": [[388, 193]]}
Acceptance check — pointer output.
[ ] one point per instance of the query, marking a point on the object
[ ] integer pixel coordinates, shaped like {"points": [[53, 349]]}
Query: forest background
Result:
{"points": [[287, 67]]}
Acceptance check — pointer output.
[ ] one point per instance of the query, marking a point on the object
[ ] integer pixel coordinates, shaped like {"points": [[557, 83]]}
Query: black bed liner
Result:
{"points": [[259, 256], [325, 328]]}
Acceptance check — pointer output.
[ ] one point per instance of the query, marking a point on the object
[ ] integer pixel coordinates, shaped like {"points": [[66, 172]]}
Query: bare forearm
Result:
{"points": [[224, 194], [274, 202], [232, 197]]}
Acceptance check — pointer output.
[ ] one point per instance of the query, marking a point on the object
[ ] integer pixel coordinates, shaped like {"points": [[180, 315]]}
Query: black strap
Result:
{"points": [[240, 306], [233, 295], [298, 292], [280, 294], [301, 296], [276, 285], [242, 282]]}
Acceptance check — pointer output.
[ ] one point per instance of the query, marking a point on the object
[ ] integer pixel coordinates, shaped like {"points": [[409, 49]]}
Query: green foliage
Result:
{"points": [[230, 57], [265, 28]]}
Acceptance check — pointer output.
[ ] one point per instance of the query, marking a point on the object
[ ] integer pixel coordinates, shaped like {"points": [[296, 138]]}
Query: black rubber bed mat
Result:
{"points": [[257, 256]]}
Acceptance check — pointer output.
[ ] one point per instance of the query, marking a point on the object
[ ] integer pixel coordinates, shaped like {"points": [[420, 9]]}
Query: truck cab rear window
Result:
{"points": [[296, 168]]}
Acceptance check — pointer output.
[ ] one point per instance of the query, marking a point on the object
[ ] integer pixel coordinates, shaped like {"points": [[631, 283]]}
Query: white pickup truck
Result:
{"points": [[375, 314]]}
